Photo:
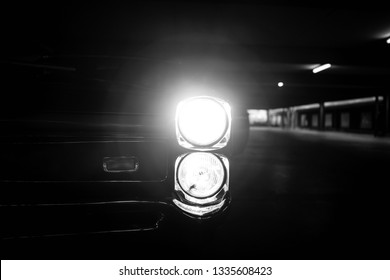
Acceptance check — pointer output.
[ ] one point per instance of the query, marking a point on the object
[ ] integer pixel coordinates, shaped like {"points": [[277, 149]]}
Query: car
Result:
{"points": [[106, 109], [85, 156]]}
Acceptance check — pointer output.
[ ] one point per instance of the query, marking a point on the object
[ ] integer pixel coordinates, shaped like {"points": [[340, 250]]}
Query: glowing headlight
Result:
{"points": [[203, 123], [201, 175]]}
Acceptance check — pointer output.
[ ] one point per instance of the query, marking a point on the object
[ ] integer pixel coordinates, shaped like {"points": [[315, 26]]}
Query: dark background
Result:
{"points": [[245, 46], [296, 194]]}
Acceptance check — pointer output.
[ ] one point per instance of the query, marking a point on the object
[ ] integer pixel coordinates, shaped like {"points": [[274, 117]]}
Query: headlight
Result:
{"points": [[203, 123], [201, 183], [200, 174]]}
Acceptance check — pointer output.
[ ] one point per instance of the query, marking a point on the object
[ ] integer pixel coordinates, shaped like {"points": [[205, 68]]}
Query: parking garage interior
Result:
{"points": [[313, 180]]}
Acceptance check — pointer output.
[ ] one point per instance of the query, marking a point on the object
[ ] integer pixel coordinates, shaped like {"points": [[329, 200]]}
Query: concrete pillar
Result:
{"points": [[376, 115], [380, 123], [321, 118], [387, 113], [290, 118]]}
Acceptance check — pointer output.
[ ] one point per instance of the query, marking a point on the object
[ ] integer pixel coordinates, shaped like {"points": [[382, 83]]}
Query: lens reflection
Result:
{"points": [[201, 174]]}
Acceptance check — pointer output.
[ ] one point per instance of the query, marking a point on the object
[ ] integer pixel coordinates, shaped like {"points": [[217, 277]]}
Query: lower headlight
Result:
{"points": [[201, 182], [200, 174]]}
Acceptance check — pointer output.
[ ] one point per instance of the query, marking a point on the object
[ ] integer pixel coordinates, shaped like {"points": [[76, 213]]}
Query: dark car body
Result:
{"points": [[84, 156]]}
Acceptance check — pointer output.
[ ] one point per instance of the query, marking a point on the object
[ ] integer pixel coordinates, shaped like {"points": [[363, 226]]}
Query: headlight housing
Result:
{"points": [[201, 182], [203, 123]]}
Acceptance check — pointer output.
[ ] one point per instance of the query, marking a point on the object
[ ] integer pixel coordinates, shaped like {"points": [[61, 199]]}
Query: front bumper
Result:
{"points": [[119, 230]]}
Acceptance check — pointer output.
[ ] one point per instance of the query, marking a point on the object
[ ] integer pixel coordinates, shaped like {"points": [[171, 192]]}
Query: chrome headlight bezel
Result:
{"points": [[202, 206]]}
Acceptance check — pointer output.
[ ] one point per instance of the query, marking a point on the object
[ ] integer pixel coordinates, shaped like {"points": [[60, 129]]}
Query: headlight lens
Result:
{"points": [[203, 122], [201, 175]]}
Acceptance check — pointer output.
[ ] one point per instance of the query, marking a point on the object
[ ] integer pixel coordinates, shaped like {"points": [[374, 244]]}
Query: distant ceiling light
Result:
{"points": [[321, 68], [280, 84], [388, 41], [353, 101]]}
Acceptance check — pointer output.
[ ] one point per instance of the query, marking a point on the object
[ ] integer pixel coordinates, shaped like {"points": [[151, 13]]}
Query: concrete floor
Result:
{"points": [[309, 195]]}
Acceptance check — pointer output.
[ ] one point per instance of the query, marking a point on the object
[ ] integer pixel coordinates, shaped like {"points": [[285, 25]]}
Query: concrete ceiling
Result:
{"points": [[249, 46]]}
